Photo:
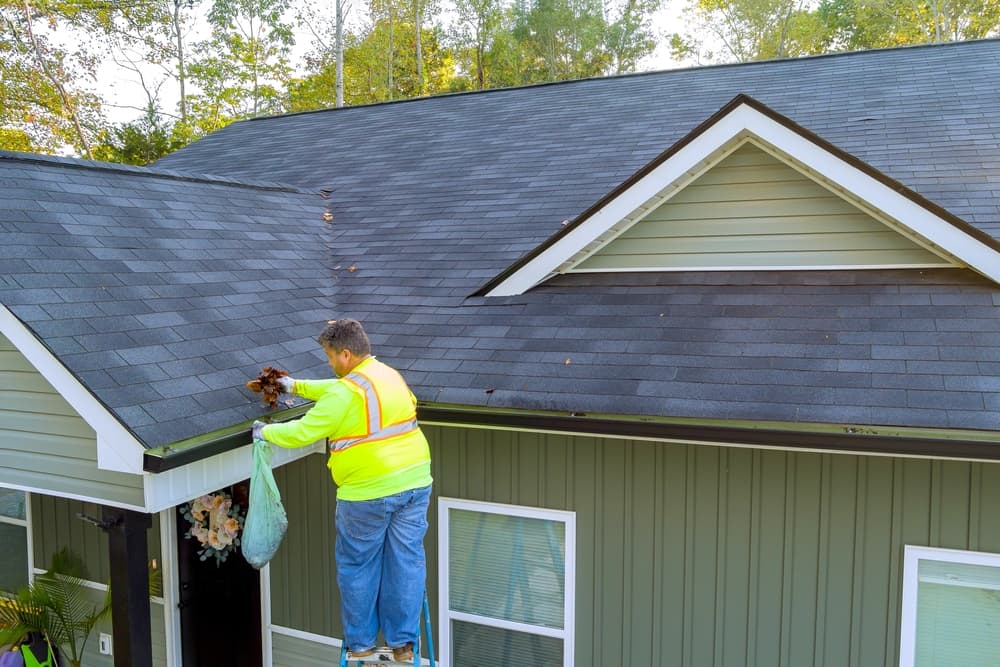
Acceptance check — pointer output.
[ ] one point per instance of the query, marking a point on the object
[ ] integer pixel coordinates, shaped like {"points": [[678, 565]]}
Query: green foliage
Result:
{"points": [[867, 24], [58, 604], [242, 68], [142, 141], [41, 93]]}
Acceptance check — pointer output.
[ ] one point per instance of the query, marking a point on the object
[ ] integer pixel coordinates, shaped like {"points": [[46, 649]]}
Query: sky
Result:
{"points": [[125, 99]]}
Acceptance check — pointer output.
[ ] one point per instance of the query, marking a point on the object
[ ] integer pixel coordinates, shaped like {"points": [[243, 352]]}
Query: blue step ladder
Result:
{"points": [[383, 654]]}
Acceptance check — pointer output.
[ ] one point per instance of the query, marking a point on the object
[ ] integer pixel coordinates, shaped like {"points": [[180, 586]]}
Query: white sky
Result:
{"points": [[125, 100]]}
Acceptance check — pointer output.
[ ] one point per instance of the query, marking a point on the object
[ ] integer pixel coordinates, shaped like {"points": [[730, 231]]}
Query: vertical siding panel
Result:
{"points": [[989, 501], [673, 546], [734, 594], [872, 579], [770, 520], [802, 573], [642, 518], [953, 501], [585, 490], [704, 555], [837, 575], [611, 581]]}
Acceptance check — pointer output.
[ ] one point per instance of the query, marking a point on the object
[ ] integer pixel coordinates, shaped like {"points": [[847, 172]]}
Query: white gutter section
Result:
{"points": [[117, 448], [690, 160]]}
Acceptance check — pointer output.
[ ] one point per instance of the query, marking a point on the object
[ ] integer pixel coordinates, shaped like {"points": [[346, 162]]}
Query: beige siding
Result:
{"points": [[45, 445], [751, 210]]}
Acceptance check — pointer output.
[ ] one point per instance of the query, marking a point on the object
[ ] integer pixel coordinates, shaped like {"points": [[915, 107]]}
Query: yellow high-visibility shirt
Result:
{"points": [[369, 418]]}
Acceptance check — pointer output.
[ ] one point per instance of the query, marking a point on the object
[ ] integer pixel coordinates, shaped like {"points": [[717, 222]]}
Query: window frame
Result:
{"points": [[912, 555], [26, 524], [446, 615]]}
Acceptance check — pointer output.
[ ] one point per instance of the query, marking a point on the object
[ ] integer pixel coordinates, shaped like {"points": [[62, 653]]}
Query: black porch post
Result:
{"points": [[129, 586]]}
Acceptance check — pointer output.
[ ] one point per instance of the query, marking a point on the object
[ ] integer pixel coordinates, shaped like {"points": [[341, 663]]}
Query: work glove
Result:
{"points": [[258, 427], [287, 384]]}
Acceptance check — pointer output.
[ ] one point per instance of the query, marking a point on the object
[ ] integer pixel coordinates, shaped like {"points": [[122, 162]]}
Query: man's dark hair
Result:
{"points": [[346, 334]]}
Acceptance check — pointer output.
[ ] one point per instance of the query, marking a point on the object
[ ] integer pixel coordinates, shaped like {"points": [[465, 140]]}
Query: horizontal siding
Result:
{"points": [[45, 444], [702, 556], [294, 652], [751, 210]]}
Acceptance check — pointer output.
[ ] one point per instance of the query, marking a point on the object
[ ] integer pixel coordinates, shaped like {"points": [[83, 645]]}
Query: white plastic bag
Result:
{"points": [[266, 521]]}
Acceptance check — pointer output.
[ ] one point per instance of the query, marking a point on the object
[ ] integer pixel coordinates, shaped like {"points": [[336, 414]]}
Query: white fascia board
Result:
{"points": [[178, 485], [743, 122], [117, 448]]}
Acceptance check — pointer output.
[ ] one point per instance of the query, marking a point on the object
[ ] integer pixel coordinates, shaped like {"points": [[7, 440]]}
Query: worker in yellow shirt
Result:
{"points": [[381, 464]]}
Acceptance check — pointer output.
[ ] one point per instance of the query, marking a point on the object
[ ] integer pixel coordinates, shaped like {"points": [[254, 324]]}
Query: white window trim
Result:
{"points": [[446, 616], [26, 524], [912, 555]]}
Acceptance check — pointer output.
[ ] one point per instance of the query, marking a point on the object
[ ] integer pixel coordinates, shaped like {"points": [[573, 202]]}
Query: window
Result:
{"points": [[14, 561], [951, 608], [506, 585]]}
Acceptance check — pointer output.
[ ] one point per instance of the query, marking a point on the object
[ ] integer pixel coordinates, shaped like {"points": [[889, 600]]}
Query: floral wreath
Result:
{"points": [[216, 523]]}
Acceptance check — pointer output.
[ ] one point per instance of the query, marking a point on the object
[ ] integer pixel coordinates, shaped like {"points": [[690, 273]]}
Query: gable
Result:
{"points": [[754, 210], [746, 120]]}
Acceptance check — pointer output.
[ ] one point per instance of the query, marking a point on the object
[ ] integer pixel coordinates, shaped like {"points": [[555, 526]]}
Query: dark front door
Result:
{"points": [[219, 604]]}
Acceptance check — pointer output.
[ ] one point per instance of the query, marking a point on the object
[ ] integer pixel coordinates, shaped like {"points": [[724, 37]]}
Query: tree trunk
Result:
{"points": [[339, 52], [181, 74], [69, 107], [417, 11]]}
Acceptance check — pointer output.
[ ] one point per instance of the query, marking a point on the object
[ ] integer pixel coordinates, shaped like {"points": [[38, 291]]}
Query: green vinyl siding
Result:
{"points": [[303, 578], [56, 524], [45, 445], [686, 555], [752, 210]]}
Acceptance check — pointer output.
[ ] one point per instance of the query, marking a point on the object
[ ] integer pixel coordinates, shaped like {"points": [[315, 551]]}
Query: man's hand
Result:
{"points": [[258, 427], [287, 384]]}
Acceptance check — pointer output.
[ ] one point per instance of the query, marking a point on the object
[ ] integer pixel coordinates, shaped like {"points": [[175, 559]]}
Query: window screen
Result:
{"points": [[958, 614], [506, 572]]}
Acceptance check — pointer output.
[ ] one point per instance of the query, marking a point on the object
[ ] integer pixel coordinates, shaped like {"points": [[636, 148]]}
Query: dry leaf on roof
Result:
{"points": [[327, 216], [267, 384], [352, 268]]}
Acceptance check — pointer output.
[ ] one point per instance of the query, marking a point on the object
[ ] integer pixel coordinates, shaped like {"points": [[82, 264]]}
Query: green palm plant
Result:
{"points": [[58, 604]]}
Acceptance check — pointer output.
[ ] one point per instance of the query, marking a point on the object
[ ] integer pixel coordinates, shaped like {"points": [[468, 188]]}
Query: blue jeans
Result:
{"points": [[381, 569]]}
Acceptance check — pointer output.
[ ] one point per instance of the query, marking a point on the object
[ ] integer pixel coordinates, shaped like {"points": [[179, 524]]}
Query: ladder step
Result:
{"points": [[382, 655]]}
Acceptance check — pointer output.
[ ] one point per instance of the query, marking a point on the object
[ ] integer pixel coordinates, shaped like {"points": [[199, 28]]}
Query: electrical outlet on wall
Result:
{"points": [[104, 643]]}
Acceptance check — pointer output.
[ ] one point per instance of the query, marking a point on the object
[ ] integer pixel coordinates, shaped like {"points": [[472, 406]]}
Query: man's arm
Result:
{"points": [[321, 421]]}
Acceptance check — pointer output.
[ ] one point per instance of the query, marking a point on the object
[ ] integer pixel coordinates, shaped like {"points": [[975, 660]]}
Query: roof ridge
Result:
{"points": [[819, 56], [149, 172]]}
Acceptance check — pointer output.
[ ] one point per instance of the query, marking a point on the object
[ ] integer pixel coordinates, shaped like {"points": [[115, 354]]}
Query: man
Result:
{"points": [[380, 462]]}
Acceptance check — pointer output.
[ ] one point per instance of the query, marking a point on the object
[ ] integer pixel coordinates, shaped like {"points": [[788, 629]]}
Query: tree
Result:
{"points": [[42, 101], [365, 77], [868, 24], [630, 37], [242, 68], [746, 30], [478, 31], [142, 141]]}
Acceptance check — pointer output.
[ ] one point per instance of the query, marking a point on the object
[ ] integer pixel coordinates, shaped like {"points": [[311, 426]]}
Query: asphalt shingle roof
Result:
{"points": [[165, 293], [160, 290]]}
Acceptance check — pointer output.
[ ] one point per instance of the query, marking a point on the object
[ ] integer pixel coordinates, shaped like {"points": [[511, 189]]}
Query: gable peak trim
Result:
{"points": [[744, 117]]}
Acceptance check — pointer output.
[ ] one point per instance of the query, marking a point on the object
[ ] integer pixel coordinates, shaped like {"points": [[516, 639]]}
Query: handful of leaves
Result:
{"points": [[267, 383]]}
